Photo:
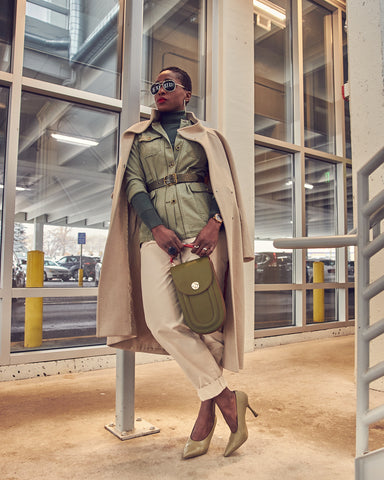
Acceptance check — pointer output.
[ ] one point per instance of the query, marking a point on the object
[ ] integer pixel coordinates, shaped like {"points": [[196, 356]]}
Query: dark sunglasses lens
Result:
{"points": [[155, 88], [169, 85]]}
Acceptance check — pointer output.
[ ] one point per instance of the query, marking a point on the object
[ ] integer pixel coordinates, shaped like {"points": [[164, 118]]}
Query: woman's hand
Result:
{"points": [[167, 239], [207, 239]]}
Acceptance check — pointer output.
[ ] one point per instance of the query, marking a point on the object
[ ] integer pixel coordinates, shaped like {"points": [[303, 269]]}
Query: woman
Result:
{"points": [[176, 184]]}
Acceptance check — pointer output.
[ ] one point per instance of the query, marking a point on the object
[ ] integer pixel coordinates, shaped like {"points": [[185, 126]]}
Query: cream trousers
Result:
{"points": [[199, 356]]}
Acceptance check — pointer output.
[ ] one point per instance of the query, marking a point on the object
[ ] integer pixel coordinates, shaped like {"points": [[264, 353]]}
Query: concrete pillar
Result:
{"points": [[365, 54], [236, 117], [38, 234]]}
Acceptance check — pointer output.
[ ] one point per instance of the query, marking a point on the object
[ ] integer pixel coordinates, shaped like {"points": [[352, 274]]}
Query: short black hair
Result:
{"points": [[183, 76]]}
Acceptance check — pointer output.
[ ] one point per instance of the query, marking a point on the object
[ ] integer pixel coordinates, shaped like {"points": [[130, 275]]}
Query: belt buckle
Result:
{"points": [[170, 180]]}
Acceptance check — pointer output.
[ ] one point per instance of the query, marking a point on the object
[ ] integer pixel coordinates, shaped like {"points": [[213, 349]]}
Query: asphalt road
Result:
{"points": [[62, 317]]}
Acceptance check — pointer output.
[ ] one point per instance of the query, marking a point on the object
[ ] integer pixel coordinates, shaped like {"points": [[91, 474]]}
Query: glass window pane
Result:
{"points": [[273, 214], [67, 322], [273, 69], [351, 250], [348, 151], [273, 309], [323, 309], [76, 44], [63, 255], [174, 35], [4, 95], [320, 197], [6, 33], [320, 208], [65, 175], [318, 78]]}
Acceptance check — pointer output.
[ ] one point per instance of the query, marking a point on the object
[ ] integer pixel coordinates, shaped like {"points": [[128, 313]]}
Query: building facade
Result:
{"points": [[74, 74]]}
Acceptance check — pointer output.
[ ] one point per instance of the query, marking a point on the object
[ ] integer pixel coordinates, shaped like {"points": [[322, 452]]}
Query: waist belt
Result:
{"points": [[173, 179]]}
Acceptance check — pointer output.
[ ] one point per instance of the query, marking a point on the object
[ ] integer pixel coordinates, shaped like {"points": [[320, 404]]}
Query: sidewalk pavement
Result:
{"points": [[53, 427]]}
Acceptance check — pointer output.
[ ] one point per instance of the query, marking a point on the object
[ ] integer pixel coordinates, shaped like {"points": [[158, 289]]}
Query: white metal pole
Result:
{"points": [[124, 426]]}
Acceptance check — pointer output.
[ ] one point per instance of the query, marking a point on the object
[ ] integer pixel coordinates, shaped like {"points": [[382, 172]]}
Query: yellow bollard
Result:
{"points": [[318, 293], [80, 274], [33, 329]]}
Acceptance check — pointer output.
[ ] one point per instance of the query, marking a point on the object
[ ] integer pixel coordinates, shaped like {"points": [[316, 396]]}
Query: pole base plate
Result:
{"points": [[140, 429]]}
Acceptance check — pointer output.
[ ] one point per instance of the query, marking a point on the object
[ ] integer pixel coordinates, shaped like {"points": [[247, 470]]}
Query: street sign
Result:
{"points": [[81, 238]]}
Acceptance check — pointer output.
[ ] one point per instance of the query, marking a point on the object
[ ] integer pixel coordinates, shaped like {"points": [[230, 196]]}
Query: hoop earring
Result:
{"points": [[185, 106]]}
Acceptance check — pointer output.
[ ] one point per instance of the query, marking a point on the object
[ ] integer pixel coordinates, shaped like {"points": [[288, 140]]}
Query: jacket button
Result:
{"points": [[177, 147]]}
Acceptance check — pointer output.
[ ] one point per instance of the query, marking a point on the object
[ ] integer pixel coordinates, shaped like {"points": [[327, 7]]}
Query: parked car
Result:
{"points": [[54, 271], [18, 273], [351, 271], [329, 269], [72, 263], [273, 267]]}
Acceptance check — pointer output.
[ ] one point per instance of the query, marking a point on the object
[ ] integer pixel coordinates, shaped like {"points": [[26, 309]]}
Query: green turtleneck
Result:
{"points": [[170, 121]]}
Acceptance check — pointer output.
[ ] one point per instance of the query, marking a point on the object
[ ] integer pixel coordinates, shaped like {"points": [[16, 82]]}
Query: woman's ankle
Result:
{"points": [[205, 420], [226, 401]]}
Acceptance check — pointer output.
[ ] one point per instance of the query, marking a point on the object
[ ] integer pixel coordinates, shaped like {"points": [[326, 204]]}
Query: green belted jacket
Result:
{"points": [[120, 315]]}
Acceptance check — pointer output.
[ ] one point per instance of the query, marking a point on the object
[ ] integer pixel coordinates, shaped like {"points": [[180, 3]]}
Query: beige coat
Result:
{"points": [[120, 315]]}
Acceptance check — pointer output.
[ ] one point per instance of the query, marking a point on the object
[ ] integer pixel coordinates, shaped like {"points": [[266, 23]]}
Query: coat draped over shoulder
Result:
{"points": [[120, 314]]}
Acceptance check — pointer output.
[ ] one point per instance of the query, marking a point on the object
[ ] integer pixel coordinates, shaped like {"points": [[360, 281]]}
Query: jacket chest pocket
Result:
{"points": [[150, 144]]}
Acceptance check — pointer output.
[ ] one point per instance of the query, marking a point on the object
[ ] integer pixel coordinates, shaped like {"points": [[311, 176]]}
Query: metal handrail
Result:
{"points": [[369, 215]]}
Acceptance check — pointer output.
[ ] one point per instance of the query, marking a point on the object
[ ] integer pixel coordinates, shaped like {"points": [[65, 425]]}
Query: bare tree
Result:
{"points": [[57, 240]]}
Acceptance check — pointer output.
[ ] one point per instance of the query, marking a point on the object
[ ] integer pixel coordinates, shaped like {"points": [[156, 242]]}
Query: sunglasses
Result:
{"points": [[168, 85]]}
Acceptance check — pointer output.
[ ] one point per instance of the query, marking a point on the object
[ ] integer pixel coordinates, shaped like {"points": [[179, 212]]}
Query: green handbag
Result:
{"points": [[199, 295]]}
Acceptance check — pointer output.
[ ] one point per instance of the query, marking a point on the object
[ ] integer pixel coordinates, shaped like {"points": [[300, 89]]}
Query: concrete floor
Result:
{"points": [[53, 427]]}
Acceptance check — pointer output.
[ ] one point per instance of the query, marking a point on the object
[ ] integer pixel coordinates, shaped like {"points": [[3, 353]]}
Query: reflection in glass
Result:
{"points": [[351, 250], [67, 322], [348, 151], [273, 214], [318, 78], [273, 70], [320, 208], [6, 34], [76, 44], [273, 309], [4, 95], [320, 197], [64, 183], [174, 35]]}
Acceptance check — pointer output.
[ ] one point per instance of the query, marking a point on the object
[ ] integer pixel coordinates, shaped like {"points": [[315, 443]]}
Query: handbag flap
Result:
{"points": [[194, 277]]}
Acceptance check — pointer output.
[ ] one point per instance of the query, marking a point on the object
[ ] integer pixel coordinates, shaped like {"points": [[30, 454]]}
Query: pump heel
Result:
{"points": [[237, 438]]}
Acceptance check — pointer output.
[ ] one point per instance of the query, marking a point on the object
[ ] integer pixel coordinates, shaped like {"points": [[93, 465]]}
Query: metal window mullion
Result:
{"points": [[202, 59], [10, 175], [69, 94], [341, 253], [299, 230], [337, 19], [330, 77], [131, 73], [299, 165], [58, 354], [297, 73], [214, 65]]}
